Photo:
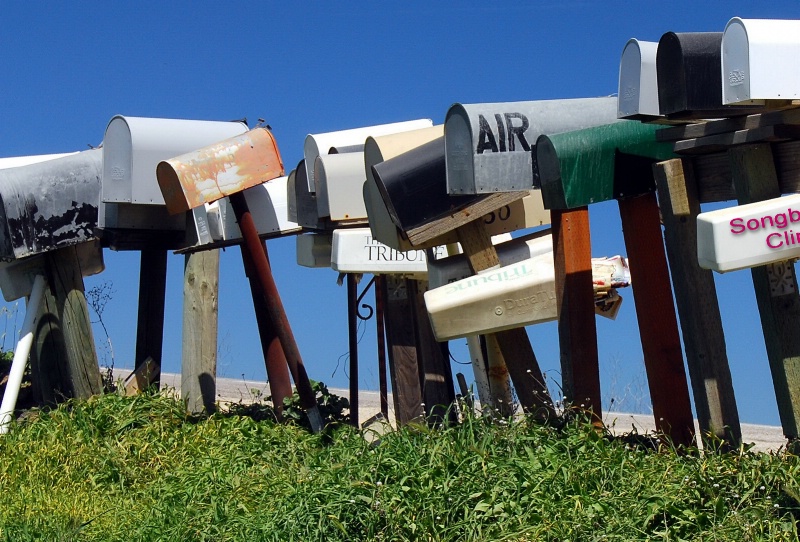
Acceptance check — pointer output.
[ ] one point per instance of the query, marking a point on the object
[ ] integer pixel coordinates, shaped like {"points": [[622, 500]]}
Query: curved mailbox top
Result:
{"points": [[598, 164], [317, 144], [488, 146], [50, 204], [219, 170], [340, 181], [133, 147], [759, 61], [18, 161], [413, 186], [637, 98]]}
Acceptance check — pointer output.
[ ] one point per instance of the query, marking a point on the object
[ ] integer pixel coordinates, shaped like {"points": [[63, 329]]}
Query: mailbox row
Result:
{"points": [[711, 74]]}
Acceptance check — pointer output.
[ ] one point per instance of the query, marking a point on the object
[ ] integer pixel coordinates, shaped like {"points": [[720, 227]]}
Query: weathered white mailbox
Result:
{"points": [[759, 61], [340, 183], [314, 249], [749, 235], [488, 146], [49, 204], [132, 148], [304, 202], [637, 98], [319, 144], [357, 251], [513, 296]]}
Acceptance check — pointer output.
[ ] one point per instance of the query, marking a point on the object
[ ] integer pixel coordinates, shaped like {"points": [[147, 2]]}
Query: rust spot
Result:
{"points": [[498, 372]]}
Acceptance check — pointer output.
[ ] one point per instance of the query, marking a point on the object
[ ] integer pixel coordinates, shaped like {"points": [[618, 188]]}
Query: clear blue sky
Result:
{"points": [[307, 67]]}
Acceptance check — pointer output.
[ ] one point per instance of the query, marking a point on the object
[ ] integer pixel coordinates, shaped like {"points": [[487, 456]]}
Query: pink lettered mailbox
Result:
{"points": [[749, 235]]}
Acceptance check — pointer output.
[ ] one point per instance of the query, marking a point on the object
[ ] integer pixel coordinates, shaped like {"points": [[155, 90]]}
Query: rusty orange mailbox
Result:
{"points": [[219, 170]]}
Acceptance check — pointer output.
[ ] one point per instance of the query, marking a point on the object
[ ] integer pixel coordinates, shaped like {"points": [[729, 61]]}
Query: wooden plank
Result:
{"points": [[698, 307], [733, 124], [401, 340], [655, 312], [720, 142], [142, 377], [435, 374], [755, 178], [577, 329], [479, 209], [63, 357], [152, 299], [199, 354]]}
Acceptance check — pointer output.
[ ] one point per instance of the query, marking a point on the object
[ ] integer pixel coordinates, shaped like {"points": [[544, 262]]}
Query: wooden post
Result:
{"points": [[658, 326], [63, 357], [698, 307], [577, 329], [199, 356], [152, 298], [775, 286], [435, 375], [403, 364]]}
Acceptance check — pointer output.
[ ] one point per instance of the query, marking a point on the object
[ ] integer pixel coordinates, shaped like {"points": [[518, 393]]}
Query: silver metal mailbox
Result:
{"points": [[49, 204], [320, 144], [305, 202], [488, 146], [637, 98], [760, 61], [340, 181], [132, 148]]}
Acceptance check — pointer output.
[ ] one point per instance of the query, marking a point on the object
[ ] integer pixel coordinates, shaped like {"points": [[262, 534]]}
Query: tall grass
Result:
{"points": [[116, 468]]}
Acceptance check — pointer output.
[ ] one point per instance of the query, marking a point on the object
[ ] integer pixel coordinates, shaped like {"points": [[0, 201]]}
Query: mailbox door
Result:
{"points": [[488, 146], [319, 144], [637, 98], [340, 181]]}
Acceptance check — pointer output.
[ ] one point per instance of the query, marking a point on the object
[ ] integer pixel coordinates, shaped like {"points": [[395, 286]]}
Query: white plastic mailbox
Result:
{"points": [[319, 144], [759, 61], [357, 251], [749, 235], [268, 205], [339, 182], [637, 98]]}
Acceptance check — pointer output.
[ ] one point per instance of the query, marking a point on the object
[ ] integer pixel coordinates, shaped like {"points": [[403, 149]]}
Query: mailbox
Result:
{"points": [[49, 204], [516, 295], [318, 144], [637, 98], [598, 164], [340, 183], [749, 235], [357, 251], [268, 206], [314, 249], [305, 202], [488, 146], [759, 61], [689, 67], [132, 148]]}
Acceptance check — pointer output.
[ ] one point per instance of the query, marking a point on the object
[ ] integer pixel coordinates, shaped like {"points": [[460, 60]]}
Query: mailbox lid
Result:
{"points": [[314, 249], [637, 98], [50, 204], [357, 251], [749, 235], [488, 146], [340, 181], [759, 61], [219, 169], [319, 144], [133, 147], [584, 167]]}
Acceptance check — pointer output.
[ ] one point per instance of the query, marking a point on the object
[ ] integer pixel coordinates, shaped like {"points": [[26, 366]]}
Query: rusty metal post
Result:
{"points": [[280, 385], [277, 315], [382, 377], [352, 328]]}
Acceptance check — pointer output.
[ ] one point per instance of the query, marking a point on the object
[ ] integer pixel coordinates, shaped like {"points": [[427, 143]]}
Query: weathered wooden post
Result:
{"points": [[49, 211], [615, 162]]}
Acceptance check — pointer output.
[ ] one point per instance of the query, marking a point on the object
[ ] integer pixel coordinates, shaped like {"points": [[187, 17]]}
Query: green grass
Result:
{"points": [[129, 469]]}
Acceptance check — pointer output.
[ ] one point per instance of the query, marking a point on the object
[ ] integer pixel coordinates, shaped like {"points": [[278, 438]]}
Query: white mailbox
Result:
{"points": [[749, 235], [319, 144], [314, 250], [488, 146], [637, 98], [760, 61], [132, 148], [267, 203], [340, 183], [357, 251]]}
